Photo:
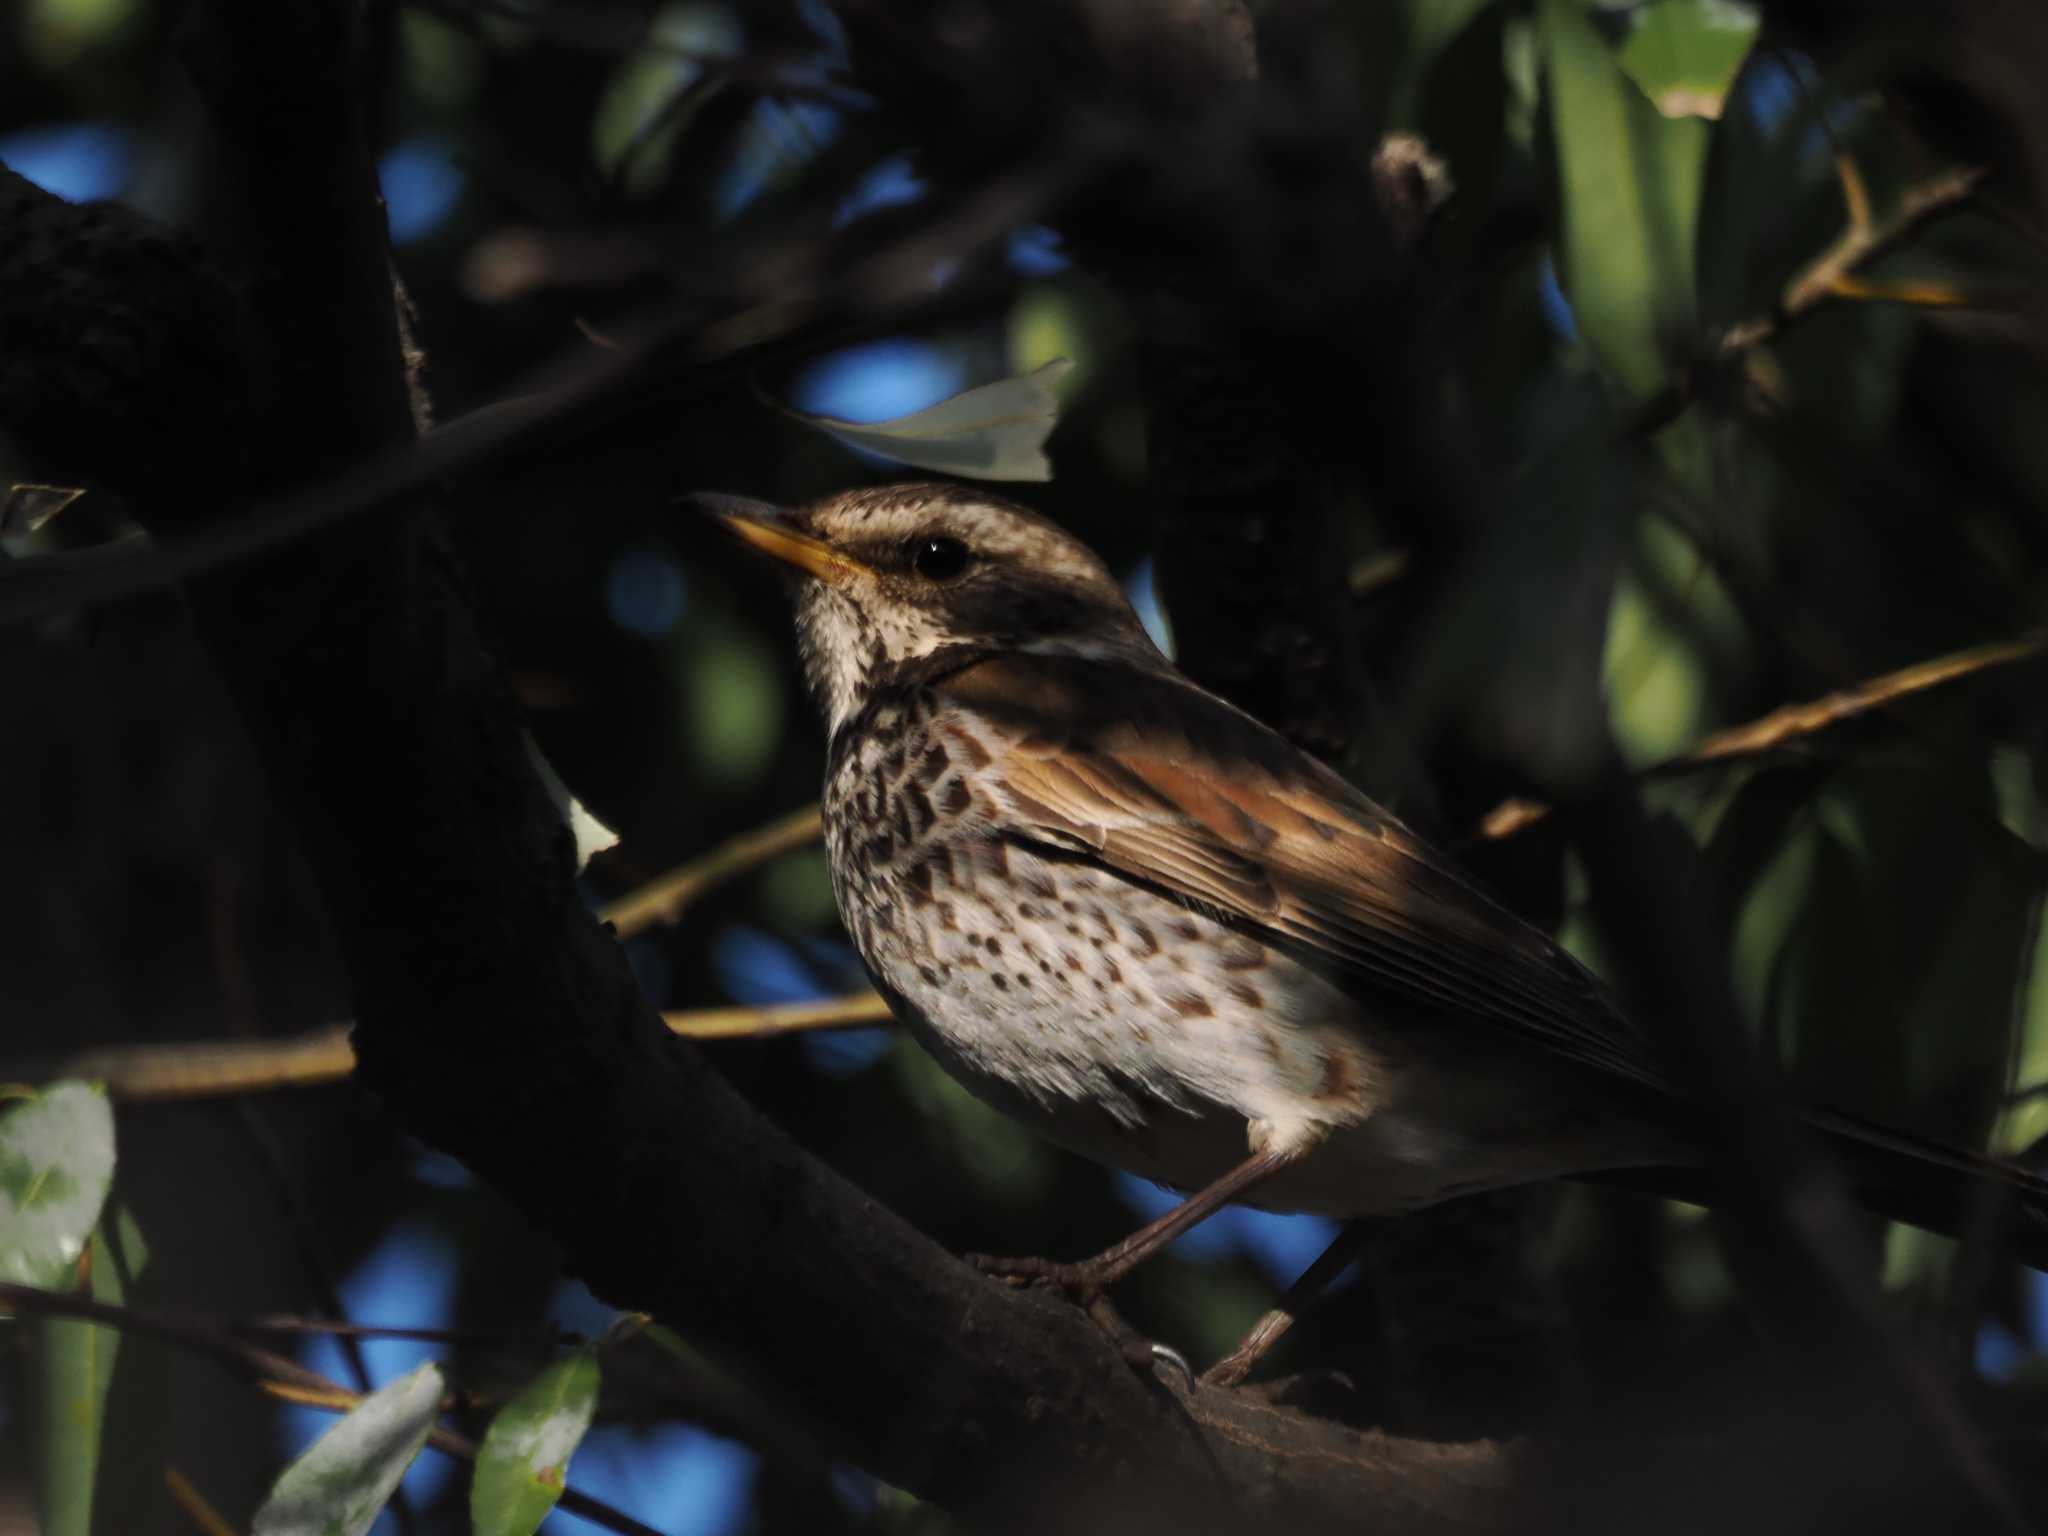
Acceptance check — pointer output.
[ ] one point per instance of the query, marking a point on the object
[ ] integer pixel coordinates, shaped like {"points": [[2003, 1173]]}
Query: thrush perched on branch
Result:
{"points": [[1125, 913]]}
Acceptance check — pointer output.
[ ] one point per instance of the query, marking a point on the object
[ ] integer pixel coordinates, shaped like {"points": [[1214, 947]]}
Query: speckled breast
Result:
{"points": [[1116, 1020]]}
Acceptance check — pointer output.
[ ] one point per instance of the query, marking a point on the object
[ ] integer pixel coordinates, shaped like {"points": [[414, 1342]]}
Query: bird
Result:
{"points": [[1123, 912]]}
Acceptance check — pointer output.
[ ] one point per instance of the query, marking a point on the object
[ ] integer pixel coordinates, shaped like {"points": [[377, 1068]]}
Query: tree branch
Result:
{"points": [[498, 1019]]}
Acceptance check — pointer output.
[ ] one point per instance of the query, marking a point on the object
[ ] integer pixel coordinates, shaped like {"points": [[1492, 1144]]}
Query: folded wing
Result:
{"points": [[1170, 787]]}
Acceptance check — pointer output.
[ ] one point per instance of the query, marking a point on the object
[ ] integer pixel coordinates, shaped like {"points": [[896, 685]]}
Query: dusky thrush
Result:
{"points": [[1130, 916]]}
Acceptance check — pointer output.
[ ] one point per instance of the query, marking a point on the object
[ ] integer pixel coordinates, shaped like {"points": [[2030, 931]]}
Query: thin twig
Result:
{"points": [[201, 1068], [1794, 722], [1857, 246], [662, 900], [1830, 277], [272, 1374], [193, 1504], [543, 1341], [211, 1068], [779, 1019]]}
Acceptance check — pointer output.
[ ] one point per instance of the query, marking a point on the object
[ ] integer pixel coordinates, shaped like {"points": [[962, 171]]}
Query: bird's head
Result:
{"points": [[895, 575]]}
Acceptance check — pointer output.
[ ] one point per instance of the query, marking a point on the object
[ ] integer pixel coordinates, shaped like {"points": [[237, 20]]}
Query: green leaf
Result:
{"points": [[74, 1365], [1685, 54], [56, 1161], [349, 1473], [992, 432], [525, 1455], [1629, 192]]}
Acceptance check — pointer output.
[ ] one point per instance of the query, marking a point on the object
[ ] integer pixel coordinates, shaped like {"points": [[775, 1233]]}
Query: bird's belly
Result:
{"points": [[1064, 984], [1155, 1039]]}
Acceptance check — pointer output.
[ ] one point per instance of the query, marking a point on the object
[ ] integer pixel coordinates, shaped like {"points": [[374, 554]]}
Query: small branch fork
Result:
{"points": [[1795, 722], [1835, 275]]}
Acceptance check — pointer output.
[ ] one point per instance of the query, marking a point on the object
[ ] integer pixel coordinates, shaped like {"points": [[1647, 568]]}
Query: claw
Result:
{"points": [[1175, 1361]]}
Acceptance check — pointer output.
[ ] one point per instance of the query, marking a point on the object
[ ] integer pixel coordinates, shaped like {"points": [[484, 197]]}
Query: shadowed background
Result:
{"points": [[1479, 517]]}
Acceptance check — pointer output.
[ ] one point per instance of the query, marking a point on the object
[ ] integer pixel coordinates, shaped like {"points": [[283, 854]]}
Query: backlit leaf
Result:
{"points": [[349, 1473], [992, 432], [56, 1161], [525, 1456]]}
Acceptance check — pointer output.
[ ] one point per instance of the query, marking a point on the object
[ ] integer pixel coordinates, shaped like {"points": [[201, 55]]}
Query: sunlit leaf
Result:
{"points": [[56, 1161], [74, 1364], [525, 1455], [1629, 190], [992, 432], [1685, 54], [337, 1487]]}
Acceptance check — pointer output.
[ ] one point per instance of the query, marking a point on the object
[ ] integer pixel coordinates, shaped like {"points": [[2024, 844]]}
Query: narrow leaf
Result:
{"points": [[74, 1365], [525, 1456], [991, 432], [349, 1473], [1629, 192], [56, 1161]]}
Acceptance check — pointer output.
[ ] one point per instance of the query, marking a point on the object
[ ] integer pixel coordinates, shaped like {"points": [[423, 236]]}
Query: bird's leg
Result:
{"points": [[1091, 1277], [1268, 1330]]}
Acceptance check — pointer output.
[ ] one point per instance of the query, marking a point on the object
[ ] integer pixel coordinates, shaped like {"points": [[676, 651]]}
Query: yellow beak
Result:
{"points": [[767, 528]]}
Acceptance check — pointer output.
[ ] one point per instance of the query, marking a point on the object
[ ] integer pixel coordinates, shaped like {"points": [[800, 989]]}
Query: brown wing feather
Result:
{"points": [[1178, 790]]}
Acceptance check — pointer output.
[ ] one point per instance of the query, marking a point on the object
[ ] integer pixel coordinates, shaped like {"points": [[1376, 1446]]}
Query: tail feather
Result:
{"points": [[1945, 1189], [1903, 1177]]}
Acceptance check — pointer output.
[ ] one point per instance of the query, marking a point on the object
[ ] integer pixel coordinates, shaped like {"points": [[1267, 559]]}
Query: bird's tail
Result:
{"points": [[1903, 1177], [1945, 1189]]}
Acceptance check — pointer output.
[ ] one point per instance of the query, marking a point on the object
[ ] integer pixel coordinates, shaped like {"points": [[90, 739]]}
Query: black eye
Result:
{"points": [[938, 558]]}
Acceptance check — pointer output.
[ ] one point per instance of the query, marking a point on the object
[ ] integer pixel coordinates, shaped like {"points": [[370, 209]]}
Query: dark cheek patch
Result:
{"points": [[1020, 607]]}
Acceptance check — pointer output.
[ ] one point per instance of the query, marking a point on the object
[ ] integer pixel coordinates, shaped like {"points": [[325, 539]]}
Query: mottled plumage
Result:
{"points": [[1128, 914]]}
